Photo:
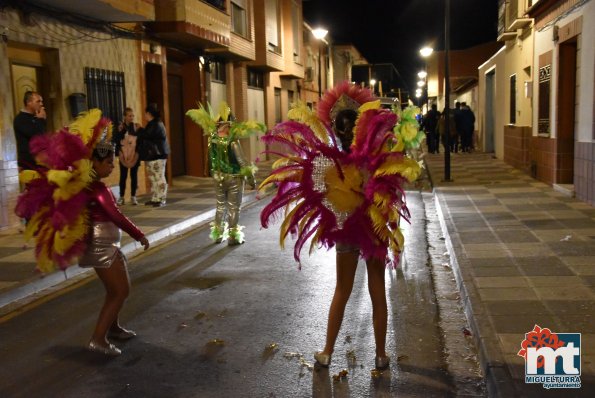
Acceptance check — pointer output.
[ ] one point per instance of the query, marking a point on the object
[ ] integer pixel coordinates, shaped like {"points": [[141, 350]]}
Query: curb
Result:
{"points": [[36, 287], [499, 381]]}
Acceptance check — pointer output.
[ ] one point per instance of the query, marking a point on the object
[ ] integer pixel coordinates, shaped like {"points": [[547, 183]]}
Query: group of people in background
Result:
{"points": [[149, 144], [461, 127]]}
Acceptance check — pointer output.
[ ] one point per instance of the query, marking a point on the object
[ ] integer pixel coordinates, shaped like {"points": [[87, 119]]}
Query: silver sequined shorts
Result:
{"points": [[104, 246]]}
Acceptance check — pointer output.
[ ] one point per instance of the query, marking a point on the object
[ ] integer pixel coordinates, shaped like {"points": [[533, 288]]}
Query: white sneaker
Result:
{"points": [[133, 201], [121, 202]]}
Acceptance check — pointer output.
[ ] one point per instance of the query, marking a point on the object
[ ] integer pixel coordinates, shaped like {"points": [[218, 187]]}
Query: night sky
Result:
{"points": [[393, 31]]}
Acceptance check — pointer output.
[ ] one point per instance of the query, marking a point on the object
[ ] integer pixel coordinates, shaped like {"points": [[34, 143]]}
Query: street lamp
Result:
{"points": [[426, 51], [421, 83], [319, 34], [372, 84], [422, 74]]}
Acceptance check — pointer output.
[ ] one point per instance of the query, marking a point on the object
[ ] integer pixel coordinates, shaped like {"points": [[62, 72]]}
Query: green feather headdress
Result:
{"points": [[208, 120]]}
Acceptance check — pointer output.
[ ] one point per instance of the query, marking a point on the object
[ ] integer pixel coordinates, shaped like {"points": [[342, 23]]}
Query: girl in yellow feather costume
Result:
{"points": [[340, 183], [73, 215]]}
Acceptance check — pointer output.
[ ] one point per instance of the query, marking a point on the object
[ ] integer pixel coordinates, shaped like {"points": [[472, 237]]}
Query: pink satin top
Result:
{"points": [[102, 207]]}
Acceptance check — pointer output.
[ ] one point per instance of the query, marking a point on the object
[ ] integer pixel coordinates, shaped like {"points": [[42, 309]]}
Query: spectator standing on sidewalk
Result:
{"points": [[451, 127], [467, 120], [30, 122], [430, 126], [125, 140], [154, 151]]}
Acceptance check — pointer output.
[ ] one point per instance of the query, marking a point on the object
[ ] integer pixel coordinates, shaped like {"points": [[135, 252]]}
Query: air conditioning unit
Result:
{"points": [[309, 74]]}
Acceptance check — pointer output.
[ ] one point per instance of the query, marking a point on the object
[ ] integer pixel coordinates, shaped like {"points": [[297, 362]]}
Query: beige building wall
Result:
{"points": [[65, 52], [515, 58], [585, 71], [495, 66]]}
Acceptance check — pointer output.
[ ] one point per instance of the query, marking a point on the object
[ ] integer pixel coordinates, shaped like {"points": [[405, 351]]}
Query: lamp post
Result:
{"points": [[319, 34], [447, 90]]}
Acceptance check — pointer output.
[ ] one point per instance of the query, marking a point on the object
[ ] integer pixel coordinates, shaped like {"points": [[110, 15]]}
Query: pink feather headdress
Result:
{"points": [[344, 95]]}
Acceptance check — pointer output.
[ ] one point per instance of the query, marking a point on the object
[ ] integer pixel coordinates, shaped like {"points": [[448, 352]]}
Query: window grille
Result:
{"points": [[543, 121], [106, 91]]}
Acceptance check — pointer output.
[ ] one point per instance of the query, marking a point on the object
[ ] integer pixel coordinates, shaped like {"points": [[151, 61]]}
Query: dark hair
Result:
{"points": [[104, 154], [128, 109], [27, 97], [153, 110], [348, 114], [434, 107]]}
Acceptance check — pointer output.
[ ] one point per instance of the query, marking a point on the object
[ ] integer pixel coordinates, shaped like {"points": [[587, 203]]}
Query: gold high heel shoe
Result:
{"points": [[322, 359], [109, 350], [382, 362]]}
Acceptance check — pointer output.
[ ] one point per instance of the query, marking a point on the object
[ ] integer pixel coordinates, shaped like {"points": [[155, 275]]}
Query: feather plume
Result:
{"points": [[203, 118], [224, 111]]}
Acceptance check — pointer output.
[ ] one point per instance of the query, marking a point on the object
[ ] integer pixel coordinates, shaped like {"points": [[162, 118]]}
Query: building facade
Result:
{"points": [[257, 55], [536, 93], [62, 62]]}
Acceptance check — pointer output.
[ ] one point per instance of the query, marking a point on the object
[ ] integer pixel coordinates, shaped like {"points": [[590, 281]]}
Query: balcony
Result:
{"points": [[105, 10], [504, 32], [192, 23], [515, 15]]}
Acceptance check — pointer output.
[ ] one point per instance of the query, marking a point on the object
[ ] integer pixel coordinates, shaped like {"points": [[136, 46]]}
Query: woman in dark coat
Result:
{"points": [[156, 151]]}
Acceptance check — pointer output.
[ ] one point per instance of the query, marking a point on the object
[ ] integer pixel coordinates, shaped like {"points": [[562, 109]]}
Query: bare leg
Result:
{"points": [[117, 287], [376, 271], [346, 267]]}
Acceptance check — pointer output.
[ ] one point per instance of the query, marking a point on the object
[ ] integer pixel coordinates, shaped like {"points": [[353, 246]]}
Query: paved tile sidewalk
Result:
{"points": [[190, 202], [523, 254]]}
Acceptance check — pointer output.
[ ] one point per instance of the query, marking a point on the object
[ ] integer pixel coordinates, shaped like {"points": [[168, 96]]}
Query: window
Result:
{"points": [[290, 99], [218, 71], [238, 17], [278, 116], [220, 4], [543, 118], [106, 91], [255, 79], [513, 99], [273, 25]]}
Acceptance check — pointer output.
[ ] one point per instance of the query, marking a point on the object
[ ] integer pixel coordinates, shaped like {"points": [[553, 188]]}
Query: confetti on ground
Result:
{"points": [[200, 315], [351, 359], [290, 355], [218, 342], [375, 373], [340, 376]]}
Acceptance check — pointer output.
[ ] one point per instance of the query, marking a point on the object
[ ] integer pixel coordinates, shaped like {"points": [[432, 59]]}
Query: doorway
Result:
{"points": [[154, 84], [566, 113], [490, 111], [176, 123]]}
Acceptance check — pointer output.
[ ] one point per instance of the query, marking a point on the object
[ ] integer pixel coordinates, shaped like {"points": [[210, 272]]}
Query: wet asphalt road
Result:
{"points": [[208, 317]]}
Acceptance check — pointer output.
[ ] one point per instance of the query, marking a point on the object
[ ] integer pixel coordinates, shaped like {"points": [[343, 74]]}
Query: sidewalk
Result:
{"points": [[523, 254], [190, 203]]}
